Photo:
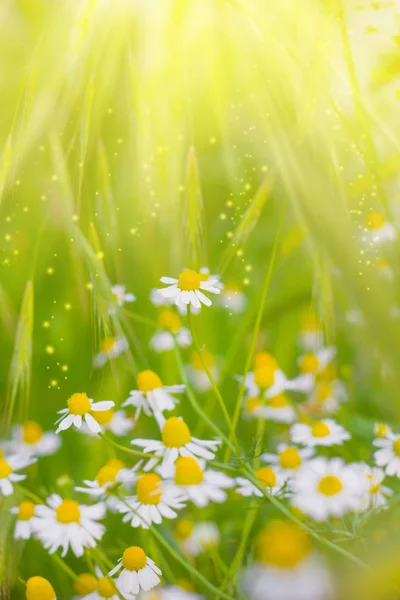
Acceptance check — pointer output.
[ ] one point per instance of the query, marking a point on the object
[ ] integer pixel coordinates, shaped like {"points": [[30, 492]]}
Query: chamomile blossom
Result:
{"points": [[84, 584], [253, 407], [279, 409], [197, 538], [378, 230], [381, 430], [286, 567], [39, 588], [376, 495], [388, 455], [273, 479], [320, 433], [324, 488], [139, 572], [383, 268], [112, 420], [154, 501], [268, 380], [198, 375], [29, 438], [121, 296], [110, 348], [188, 289], [314, 364], [9, 465], [288, 457], [112, 473], [23, 525], [105, 587], [176, 440], [152, 396], [232, 298], [80, 407], [170, 331], [64, 523], [200, 484], [311, 332], [326, 397]]}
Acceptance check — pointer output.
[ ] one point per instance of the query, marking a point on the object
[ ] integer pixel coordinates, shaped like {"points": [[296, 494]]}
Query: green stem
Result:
{"points": [[178, 557], [141, 319], [267, 281], [64, 566], [125, 449], [208, 372]]}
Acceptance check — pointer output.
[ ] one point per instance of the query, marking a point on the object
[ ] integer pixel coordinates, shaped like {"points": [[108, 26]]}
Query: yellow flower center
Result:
{"points": [[104, 417], [381, 430], [324, 391], [175, 433], [282, 544], [107, 474], [184, 529], [115, 462], [264, 359], [184, 584], [85, 583], [5, 469], [106, 587], [134, 559], [188, 471], [396, 447], [79, 404], [68, 512], [309, 363], [38, 588], [279, 401], [204, 276], [330, 485], [26, 510], [375, 220], [252, 403], [31, 432], [310, 322], [108, 345], [267, 476], [290, 458], [148, 489], [169, 320], [147, 381], [264, 377], [208, 360], [374, 487], [189, 280], [319, 429]]}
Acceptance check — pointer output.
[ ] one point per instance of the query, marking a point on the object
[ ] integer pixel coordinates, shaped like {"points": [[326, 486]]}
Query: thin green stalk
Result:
{"points": [[178, 557], [208, 372], [141, 319], [265, 289], [125, 449], [64, 566]]}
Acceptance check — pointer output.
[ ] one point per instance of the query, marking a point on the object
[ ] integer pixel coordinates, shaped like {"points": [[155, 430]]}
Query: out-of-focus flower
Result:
{"points": [[120, 296], [112, 473], [378, 230], [311, 333], [112, 420], [198, 375], [79, 407], [110, 348], [196, 538], [23, 526], [9, 465], [279, 409], [268, 380], [320, 433], [389, 454], [30, 438], [200, 485], [289, 458], [376, 494], [232, 298], [272, 479], [170, 329]]}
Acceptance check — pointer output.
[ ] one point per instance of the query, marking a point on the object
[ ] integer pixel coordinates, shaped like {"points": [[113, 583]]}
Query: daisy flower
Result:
{"points": [[153, 501], [378, 230], [286, 567], [383, 268], [232, 298], [23, 526], [66, 523], [326, 397], [253, 407], [324, 488], [152, 396], [320, 433], [315, 363], [111, 420], [120, 296], [79, 405], [288, 458], [268, 380], [389, 454], [171, 592], [84, 584], [188, 289], [198, 375], [376, 494], [112, 473], [105, 587], [272, 479], [381, 430], [196, 538], [39, 588], [200, 485], [29, 438], [279, 409], [138, 572], [311, 332], [176, 440], [170, 329], [8, 467], [110, 347]]}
